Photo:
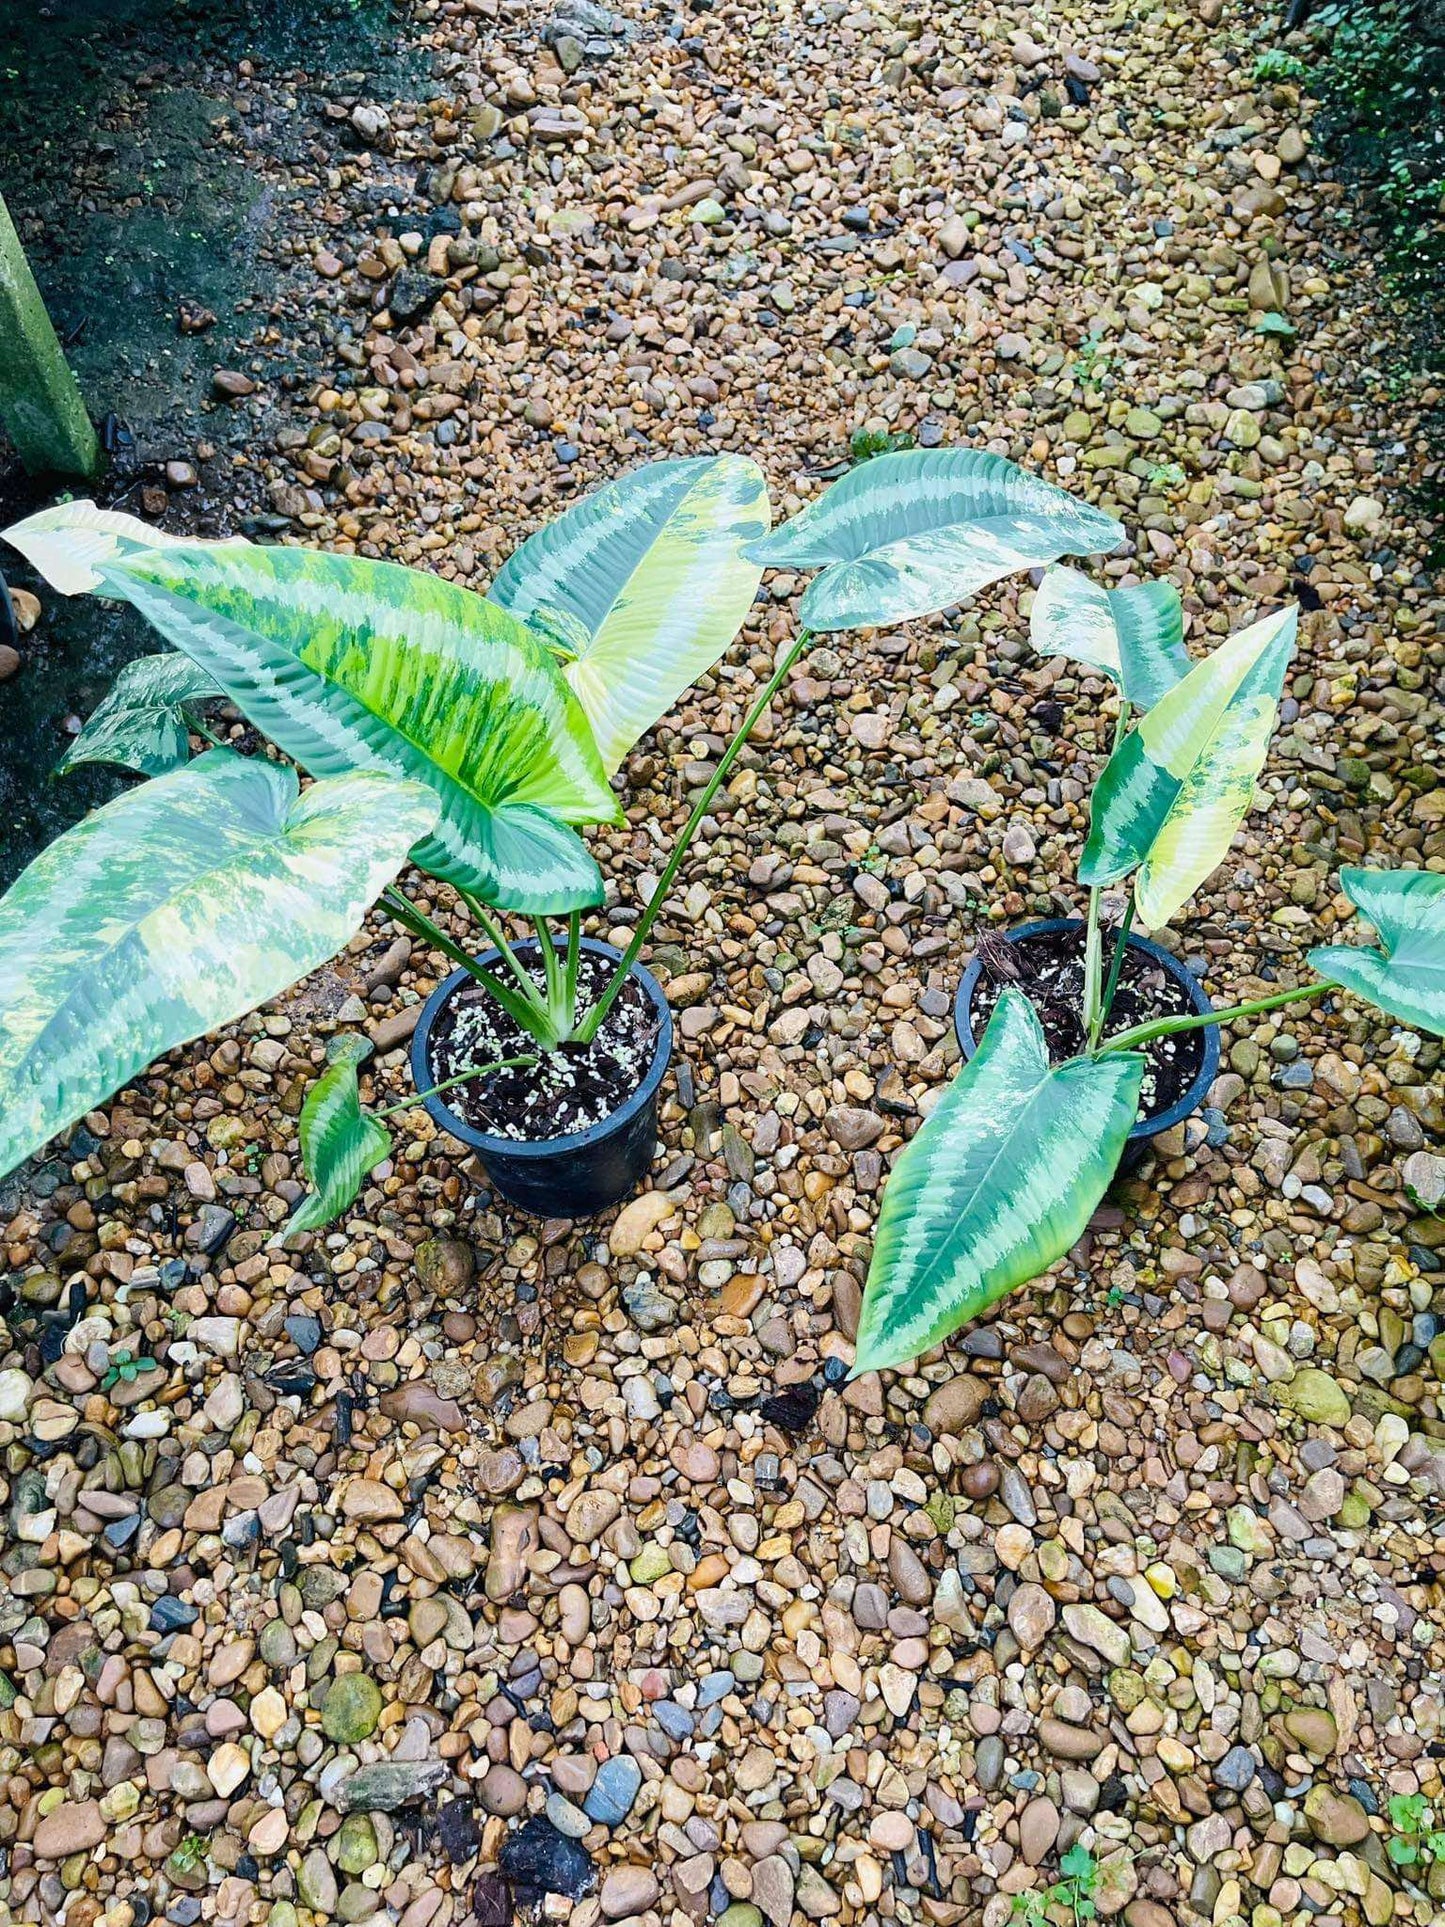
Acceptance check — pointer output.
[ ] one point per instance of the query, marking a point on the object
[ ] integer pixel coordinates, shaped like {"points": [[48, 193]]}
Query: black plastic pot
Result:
{"points": [[578, 1175], [1193, 990]]}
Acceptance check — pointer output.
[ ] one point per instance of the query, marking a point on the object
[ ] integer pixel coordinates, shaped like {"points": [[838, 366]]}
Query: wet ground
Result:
{"points": [[140, 161]]}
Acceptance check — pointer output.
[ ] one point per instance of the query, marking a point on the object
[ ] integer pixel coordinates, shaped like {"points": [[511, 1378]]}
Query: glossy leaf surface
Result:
{"points": [[643, 585], [1405, 976], [996, 1186], [340, 1143], [1176, 790], [1135, 635], [347, 663], [141, 722], [910, 533], [179, 907]]}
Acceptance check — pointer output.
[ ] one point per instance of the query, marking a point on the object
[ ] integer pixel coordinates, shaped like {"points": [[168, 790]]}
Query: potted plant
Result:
{"points": [[469, 735], [497, 722], [1073, 1043]]}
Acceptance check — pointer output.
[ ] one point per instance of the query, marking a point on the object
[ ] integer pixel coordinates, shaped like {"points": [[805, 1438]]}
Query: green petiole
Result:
{"points": [[1169, 1026]]}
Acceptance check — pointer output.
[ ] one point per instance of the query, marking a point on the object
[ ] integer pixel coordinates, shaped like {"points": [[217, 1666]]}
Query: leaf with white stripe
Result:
{"points": [[995, 1186], [1176, 790], [645, 584], [910, 533], [340, 1143], [1405, 976], [175, 909], [348, 663], [70, 543], [142, 721], [1135, 635]]}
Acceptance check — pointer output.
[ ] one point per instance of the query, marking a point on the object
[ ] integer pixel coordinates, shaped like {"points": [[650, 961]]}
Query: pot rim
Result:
{"points": [[527, 1150], [1183, 1106]]}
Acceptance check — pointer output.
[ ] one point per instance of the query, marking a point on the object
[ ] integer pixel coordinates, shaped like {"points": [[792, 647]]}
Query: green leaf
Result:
{"points": [[179, 907], [905, 535], [1406, 1810], [1405, 977], [348, 663], [995, 1186], [1078, 1863], [340, 1143], [70, 543], [1135, 635], [1178, 787], [644, 584], [141, 722]]}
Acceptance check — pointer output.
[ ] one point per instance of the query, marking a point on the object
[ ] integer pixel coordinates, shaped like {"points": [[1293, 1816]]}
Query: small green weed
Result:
{"points": [[1090, 366], [1275, 64], [1074, 1889], [124, 1368], [190, 1854], [865, 443], [1166, 475], [1414, 1838]]}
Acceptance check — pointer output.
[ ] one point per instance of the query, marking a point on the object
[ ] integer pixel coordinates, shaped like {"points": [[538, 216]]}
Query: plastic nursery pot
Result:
{"points": [[1194, 997], [578, 1175]]}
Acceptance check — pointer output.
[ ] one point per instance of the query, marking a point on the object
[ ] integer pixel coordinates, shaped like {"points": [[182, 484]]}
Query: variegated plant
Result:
{"points": [[914, 532], [479, 730], [174, 909], [1003, 1177]]}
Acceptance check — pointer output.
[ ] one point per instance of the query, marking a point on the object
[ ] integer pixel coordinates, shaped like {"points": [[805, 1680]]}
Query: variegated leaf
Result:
{"points": [[70, 543], [1405, 976], [995, 1187], [141, 721], [1178, 787], [643, 584], [348, 663], [340, 1143], [906, 534], [178, 907], [1135, 635]]}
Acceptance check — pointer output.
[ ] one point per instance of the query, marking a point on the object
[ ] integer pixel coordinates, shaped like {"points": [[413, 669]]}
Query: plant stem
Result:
{"points": [[574, 957], [1167, 1026], [594, 1018], [559, 1005], [496, 936], [462, 1077], [1116, 964], [1094, 1006], [528, 1013], [1092, 960]]}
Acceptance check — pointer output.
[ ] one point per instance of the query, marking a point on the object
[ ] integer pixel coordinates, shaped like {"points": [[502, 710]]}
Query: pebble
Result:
{"points": [[616, 1786], [450, 1540]]}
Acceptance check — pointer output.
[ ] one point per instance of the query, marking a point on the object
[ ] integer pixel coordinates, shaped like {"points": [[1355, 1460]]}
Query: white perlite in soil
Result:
{"points": [[566, 1090]]}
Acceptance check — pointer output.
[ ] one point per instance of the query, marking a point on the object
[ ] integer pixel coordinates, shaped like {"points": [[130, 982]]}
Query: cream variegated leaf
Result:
{"points": [[177, 908], [1135, 635], [910, 533], [340, 1143], [1176, 790], [141, 722], [1405, 976], [643, 585], [70, 543], [995, 1186], [348, 663]]}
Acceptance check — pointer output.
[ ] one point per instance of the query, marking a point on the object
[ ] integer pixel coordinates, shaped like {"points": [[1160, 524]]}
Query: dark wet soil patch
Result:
{"points": [[1050, 972], [156, 157], [568, 1089]]}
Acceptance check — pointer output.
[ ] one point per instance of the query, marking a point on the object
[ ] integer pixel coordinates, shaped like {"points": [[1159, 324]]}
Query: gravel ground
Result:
{"points": [[455, 1539]]}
